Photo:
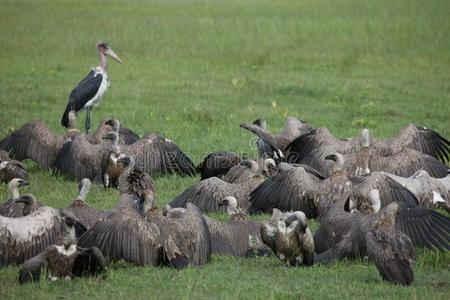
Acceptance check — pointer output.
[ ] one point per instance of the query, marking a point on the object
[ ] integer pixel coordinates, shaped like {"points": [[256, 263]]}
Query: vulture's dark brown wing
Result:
{"points": [[206, 194], [30, 270], [389, 189], [34, 141], [408, 162], [154, 153], [425, 227], [338, 252], [296, 189], [264, 135], [126, 235], [314, 140], [85, 214], [217, 164], [81, 159], [90, 262], [393, 254], [425, 140], [25, 237], [13, 209], [189, 231]]}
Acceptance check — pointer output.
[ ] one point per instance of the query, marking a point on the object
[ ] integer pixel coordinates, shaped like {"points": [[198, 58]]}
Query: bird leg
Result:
{"points": [[88, 119]]}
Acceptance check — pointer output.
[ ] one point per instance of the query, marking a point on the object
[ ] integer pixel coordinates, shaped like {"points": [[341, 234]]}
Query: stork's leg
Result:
{"points": [[88, 119]]}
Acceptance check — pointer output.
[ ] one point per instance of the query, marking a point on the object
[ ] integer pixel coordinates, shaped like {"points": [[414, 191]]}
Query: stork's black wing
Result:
{"points": [[81, 94]]}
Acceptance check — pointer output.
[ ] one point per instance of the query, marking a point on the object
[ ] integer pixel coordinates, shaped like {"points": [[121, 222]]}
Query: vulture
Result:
{"points": [[217, 164], [289, 237], [297, 188], [430, 192], [421, 139], [36, 141], [425, 228], [91, 89], [364, 158], [85, 214], [270, 145], [152, 153], [185, 235], [11, 208], [376, 236], [247, 169], [10, 168], [207, 193], [237, 237], [126, 234], [24, 237], [64, 259]]}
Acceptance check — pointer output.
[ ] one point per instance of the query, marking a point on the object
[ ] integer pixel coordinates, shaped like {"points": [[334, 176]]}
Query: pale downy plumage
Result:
{"points": [[289, 237], [10, 168], [10, 208]]}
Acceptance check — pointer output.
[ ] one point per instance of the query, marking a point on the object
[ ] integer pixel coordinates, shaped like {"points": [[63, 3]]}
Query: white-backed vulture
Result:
{"points": [[298, 188], [289, 237], [126, 234], [363, 158], [217, 164], [36, 141], [238, 236], [24, 237], [430, 192], [63, 260], [10, 168], [377, 236], [247, 169], [152, 153], [270, 145], [208, 193], [185, 235], [418, 138], [425, 227], [10, 208]]}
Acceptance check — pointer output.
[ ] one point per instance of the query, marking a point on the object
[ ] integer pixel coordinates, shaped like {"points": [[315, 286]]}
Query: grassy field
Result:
{"points": [[193, 70]]}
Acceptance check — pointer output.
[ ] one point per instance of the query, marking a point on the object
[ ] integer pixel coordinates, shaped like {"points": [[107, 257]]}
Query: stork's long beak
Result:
{"points": [[113, 55]]}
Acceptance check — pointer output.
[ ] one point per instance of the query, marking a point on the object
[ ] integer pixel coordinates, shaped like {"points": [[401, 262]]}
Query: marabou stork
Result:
{"points": [[90, 90]]}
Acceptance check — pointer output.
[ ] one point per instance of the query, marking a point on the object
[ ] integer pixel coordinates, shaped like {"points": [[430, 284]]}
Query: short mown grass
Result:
{"points": [[193, 70]]}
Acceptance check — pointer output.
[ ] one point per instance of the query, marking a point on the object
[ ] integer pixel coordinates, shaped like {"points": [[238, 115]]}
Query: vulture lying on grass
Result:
{"points": [[64, 259], [364, 158], [424, 140], [24, 237], [238, 236], [37, 142], [10, 168], [152, 153], [289, 237], [274, 146], [207, 194], [298, 188], [430, 192], [217, 164], [137, 232]]}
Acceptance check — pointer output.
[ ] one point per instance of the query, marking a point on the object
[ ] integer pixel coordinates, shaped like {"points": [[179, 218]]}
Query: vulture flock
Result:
{"points": [[374, 198]]}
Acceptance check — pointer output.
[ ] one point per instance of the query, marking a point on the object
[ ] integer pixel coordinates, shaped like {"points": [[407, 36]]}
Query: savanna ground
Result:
{"points": [[193, 70]]}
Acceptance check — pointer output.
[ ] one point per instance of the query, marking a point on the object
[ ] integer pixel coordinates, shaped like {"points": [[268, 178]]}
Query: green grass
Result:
{"points": [[193, 70]]}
